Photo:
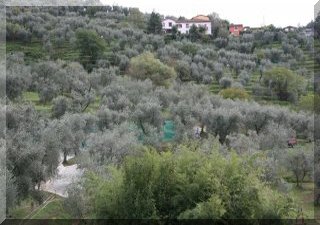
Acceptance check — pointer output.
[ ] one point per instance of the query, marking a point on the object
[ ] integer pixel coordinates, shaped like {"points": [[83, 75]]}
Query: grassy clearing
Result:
{"points": [[33, 98], [34, 51], [21, 211], [29, 208], [305, 199], [93, 107], [54, 210], [25, 207]]}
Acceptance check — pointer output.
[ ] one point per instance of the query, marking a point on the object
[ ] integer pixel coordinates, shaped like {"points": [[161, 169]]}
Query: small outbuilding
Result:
{"points": [[292, 142]]}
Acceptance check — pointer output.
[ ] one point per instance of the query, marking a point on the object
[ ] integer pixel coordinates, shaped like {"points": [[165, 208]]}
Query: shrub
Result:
{"points": [[90, 45], [146, 66], [234, 93], [285, 83], [310, 102], [60, 106], [244, 77], [225, 82]]}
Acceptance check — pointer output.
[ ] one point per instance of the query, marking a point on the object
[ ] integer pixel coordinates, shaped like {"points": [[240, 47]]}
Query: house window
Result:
{"points": [[170, 24], [187, 25], [180, 25]]}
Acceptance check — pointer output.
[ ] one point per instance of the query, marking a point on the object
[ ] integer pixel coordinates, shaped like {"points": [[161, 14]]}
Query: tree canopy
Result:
{"points": [[285, 83], [90, 45], [146, 66], [187, 184], [154, 24]]}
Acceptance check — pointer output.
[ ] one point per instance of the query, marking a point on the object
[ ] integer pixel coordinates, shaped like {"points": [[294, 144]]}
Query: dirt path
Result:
{"points": [[65, 176]]}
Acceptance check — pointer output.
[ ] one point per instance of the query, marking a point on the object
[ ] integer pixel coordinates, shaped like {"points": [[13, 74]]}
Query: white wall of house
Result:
{"points": [[167, 24], [308, 32], [184, 27]]}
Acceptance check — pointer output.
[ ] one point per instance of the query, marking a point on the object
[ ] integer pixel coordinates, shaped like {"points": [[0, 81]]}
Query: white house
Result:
{"points": [[290, 29], [167, 24], [309, 32], [184, 25]]}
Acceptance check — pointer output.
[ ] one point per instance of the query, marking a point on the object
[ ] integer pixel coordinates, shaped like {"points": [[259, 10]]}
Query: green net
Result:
{"points": [[168, 130]]}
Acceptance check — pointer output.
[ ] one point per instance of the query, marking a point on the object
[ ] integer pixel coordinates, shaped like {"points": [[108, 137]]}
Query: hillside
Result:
{"points": [[165, 125]]}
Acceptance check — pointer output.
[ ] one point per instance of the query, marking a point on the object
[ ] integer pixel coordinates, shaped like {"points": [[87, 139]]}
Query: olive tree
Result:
{"points": [[223, 122], [113, 145], [60, 106], [147, 116], [300, 163], [32, 155], [71, 133], [18, 76], [285, 83]]}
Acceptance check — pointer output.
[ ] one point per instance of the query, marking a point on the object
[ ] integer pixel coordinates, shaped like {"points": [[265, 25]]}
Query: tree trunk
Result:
{"points": [[142, 127], [261, 74], [297, 181], [317, 200], [64, 158], [202, 133]]}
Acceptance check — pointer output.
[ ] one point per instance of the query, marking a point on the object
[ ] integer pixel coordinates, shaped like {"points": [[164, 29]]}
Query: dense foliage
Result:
{"points": [[185, 183]]}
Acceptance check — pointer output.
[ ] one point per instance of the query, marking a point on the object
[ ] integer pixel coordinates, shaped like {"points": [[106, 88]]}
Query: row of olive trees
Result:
{"points": [[55, 78], [128, 42], [34, 144], [139, 108]]}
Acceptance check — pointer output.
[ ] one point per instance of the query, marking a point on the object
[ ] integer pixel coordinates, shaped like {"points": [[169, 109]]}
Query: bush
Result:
{"points": [[310, 102], [60, 106], [183, 70], [14, 86], [146, 66], [48, 92], [221, 42], [285, 83], [244, 78], [234, 93], [300, 163], [225, 82], [90, 45]]}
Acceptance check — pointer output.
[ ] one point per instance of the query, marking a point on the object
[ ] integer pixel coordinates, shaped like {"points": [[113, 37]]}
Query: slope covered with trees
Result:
{"points": [[103, 83]]}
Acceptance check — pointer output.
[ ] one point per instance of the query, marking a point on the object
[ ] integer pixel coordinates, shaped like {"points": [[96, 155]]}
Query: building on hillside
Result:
{"points": [[246, 29], [249, 30], [316, 9], [201, 18], [236, 29], [184, 25], [290, 29], [309, 32]]}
